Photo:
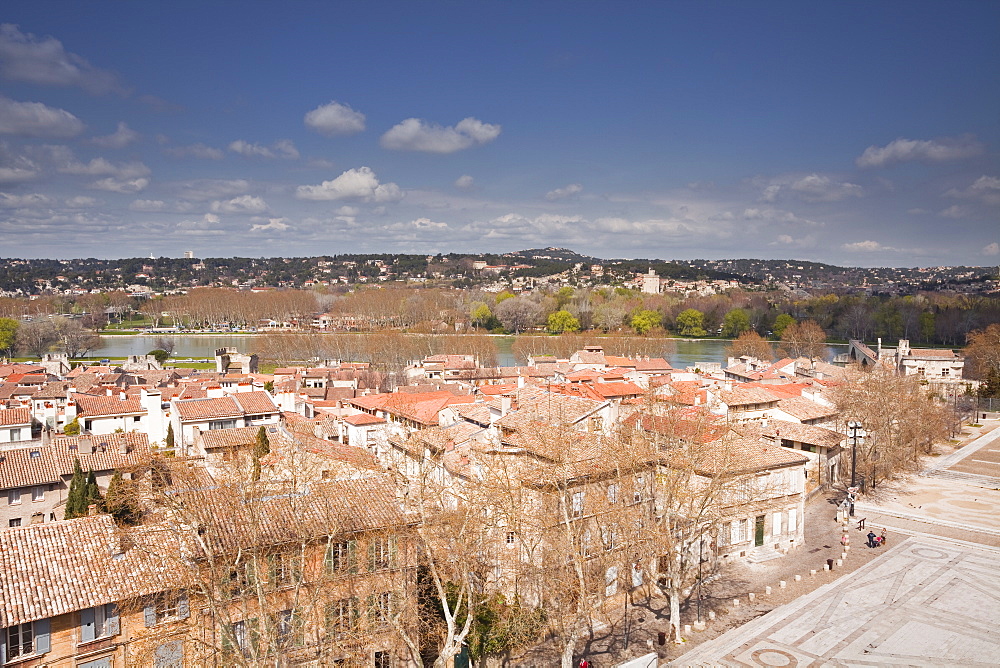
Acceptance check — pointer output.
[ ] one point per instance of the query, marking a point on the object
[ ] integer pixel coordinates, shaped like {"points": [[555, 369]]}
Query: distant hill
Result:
{"points": [[558, 254]]}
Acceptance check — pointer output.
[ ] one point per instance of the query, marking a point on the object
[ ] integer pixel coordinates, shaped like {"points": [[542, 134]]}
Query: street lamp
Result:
{"points": [[856, 437]]}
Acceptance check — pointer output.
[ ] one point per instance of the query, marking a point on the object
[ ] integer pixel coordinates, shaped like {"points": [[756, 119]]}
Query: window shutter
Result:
{"points": [[112, 625], [371, 555], [183, 609], [43, 642], [3, 646], [393, 552], [87, 632], [352, 556], [149, 614]]}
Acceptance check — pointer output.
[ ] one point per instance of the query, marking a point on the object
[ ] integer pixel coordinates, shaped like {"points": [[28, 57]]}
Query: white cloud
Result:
{"points": [[991, 249], [34, 119], [148, 205], [933, 150], [101, 167], [335, 119], [865, 247], [120, 186], [415, 134], [985, 188], [245, 204], [562, 193], [819, 188], [24, 57], [283, 148], [954, 211], [464, 182], [195, 151], [207, 225], [286, 149], [275, 224], [16, 174], [360, 183], [8, 201], [348, 211], [81, 202], [120, 138], [206, 189]]}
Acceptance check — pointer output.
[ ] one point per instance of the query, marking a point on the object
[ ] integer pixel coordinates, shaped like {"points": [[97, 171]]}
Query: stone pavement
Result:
{"points": [[925, 602]]}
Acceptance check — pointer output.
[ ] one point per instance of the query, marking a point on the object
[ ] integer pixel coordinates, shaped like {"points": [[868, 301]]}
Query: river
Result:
{"points": [[203, 346]]}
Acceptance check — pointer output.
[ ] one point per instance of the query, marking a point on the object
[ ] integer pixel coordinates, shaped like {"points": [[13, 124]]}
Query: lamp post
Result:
{"points": [[856, 437]]}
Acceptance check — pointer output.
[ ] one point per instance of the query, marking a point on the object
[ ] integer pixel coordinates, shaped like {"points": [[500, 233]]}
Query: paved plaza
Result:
{"points": [[932, 599], [925, 602]]}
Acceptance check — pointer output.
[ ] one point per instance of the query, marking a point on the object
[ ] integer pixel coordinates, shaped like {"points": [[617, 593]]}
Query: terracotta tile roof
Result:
{"points": [[803, 433], [747, 396], [25, 467], [492, 390], [229, 438], [423, 407], [804, 409], [59, 567], [8, 369], [362, 419], [478, 413], [206, 409], [932, 352], [538, 406], [15, 416], [653, 364], [255, 403], [92, 405], [107, 451], [53, 390], [615, 390]]}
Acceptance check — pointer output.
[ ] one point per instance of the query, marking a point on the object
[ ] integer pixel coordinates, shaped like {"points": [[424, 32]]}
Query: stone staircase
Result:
{"points": [[983, 480], [763, 553]]}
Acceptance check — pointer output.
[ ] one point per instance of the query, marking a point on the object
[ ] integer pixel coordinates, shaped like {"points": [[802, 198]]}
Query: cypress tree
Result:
{"points": [[261, 447], [76, 504], [170, 436], [92, 493]]}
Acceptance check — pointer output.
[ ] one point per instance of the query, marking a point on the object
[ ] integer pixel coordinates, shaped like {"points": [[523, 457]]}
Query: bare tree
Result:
{"points": [[37, 337], [751, 344], [805, 339]]}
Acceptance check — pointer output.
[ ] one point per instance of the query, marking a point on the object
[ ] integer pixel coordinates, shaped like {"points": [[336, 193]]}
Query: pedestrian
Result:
{"points": [[584, 663], [844, 540], [882, 537], [871, 539]]}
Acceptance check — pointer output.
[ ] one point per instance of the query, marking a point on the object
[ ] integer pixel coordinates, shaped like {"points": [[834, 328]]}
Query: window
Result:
{"points": [[613, 490], [725, 533], [13, 497], [577, 504], [640, 488], [776, 524], [15, 434], [511, 537], [38, 493], [288, 625], [14, 522], [342, 557], [382, 553], [242, 635], [740, 531], [284, 568], [342, 616], [27, 639], [791, 520], [98, 622], [610, 537], [221, 424], [169, 655], [383, 660], [165, 608], [381, 607], [611, 581], [944, 372]]}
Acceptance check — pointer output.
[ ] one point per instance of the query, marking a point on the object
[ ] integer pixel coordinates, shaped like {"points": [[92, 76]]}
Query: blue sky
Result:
{"points": [[851, 133]]}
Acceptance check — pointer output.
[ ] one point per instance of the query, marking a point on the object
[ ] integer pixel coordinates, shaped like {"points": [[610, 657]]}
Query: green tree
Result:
{"points": [[269, 386], [645, 320], [261, 447], [121, 501], [76, 499], [169, 440], [781, 323], [563, 296], [92, 493], [8, 334], [735, 323], [691, 322], [481, 314], [503, 296], [160, 355], [563, 321], [72, 427]]}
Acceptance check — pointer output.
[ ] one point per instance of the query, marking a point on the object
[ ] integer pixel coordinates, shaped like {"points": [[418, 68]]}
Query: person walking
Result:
{"points": [[881, 540], [871, 539]]}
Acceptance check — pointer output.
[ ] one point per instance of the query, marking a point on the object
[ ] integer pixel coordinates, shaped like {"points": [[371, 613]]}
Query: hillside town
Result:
{"points": [[306, 516]]}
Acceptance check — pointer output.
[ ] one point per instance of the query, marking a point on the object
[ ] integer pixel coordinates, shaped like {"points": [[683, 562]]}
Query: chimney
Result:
{"points": [[85, 445], [123, 448], [505, 403], [92, 510]]}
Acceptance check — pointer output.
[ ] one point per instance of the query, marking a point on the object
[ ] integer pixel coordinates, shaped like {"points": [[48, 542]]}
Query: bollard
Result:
{"points": [[661, 638], [847, 548], [812, 572], [736, 602], [798, 578], [687, 629], [751, 596], [767, 591], [649, 644], [711, 615], [826, 567], [781, 583], [699, 626], [843, 555], [840, 562], [829, 563]]}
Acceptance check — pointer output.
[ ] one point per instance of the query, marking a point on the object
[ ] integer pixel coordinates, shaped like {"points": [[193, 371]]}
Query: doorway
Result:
{"points": [[758, 535]]}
